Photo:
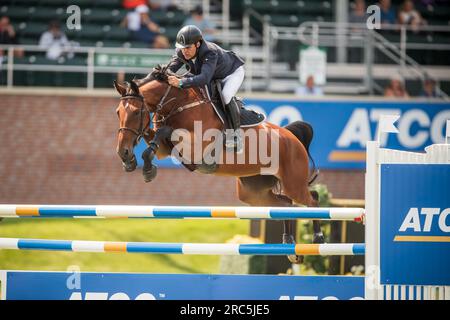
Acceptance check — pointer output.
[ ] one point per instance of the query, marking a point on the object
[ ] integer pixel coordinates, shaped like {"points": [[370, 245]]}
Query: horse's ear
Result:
{"points": [[121, 89], [134, 87]]}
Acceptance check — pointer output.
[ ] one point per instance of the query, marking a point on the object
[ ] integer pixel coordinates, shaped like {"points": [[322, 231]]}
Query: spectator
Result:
{"points": [[310, 89], [358, 13], [54, 41], [142, 28], [163, 5], [429, 89], [410, 16], [387, 13], [131, 4], [8, 36], [206, 26], [396, 89]]}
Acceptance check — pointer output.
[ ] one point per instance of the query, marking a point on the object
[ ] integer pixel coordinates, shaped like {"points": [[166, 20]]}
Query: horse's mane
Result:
{"points": [[159, 73]]}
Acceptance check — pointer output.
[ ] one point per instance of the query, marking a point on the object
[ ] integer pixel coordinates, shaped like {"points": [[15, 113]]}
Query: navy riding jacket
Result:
{"points": [[211, 63]]}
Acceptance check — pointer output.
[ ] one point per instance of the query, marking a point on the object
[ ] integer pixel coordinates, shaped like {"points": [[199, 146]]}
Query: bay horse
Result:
{"points": [[179, 109]]}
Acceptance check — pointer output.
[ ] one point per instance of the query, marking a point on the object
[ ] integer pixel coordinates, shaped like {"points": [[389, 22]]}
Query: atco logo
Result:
{"points": [[358, 127], [107, 296], [412, 220], [425, 221]]}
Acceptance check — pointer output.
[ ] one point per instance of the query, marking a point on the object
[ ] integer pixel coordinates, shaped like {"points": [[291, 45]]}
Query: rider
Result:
{"points": [[207, 62]]}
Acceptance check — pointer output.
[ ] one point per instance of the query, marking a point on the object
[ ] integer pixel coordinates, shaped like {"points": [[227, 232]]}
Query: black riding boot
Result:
{"points": [[234, 141]]}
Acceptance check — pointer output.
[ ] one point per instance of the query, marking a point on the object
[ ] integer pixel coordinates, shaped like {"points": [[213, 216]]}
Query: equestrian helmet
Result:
{"points": [[187, 36]]}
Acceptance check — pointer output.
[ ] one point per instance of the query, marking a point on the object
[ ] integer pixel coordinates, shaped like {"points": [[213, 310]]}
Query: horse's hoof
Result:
{"points": [[289, 239], [318, 238], [149, 175], [295, 259]]}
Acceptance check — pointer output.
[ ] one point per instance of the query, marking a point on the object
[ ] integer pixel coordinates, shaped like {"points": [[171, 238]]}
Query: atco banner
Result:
{"points": [[342, 128], [35, 285], [415, 215]]}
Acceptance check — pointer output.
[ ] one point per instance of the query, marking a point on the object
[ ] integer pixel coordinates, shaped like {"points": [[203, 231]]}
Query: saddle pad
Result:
{"points": [[251, 118]]}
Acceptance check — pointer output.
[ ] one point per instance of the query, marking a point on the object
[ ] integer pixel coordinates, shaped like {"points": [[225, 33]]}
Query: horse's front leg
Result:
{"points": [[150, 170]]}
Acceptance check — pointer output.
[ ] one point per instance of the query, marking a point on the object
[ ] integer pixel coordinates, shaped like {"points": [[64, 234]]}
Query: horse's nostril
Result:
{"points": [[125, 152]]}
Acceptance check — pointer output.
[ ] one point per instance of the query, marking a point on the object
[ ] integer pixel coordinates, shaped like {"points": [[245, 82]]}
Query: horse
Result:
{"points": [[152, 99]]}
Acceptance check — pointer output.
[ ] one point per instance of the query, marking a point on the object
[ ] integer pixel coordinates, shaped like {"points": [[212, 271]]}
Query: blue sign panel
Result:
{"points": [[25, 285], [342, 128], [415, 220]]}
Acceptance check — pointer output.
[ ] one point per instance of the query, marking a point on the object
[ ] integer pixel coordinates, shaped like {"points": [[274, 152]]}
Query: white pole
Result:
{"points": [[10, 66], [372, 272], [447, 132]]}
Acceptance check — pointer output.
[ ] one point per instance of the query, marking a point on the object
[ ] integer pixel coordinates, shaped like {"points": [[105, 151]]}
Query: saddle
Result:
{"points": [[248, 118]]}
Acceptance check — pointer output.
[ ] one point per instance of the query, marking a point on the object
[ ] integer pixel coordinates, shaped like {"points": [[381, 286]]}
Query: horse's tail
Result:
{"points": [[304, 133]]}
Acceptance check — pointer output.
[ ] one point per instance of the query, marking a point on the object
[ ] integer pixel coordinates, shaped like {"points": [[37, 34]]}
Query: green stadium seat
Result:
{"points": [[137, 44], [87, 42], [97, 15], [315, 7], [261, 6], [56, 3], [23, 2], [175, 18], [83, 4], [34, 29], [48, 14], [117, 33], [16, 13], [78, 60], [29, 41], [283, 20], [170, 32], [112, 44], [112, 4], [102, 16], [117, 15], [158, 16], [88, 31]]}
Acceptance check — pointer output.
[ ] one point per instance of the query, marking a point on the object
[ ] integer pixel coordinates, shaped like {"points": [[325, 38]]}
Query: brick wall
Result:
{"points": [[61, 150]]}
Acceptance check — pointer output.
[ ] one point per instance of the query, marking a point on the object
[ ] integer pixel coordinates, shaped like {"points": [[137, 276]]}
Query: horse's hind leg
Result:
{"points": [[301, 195], [318, 234], [257, 191]]}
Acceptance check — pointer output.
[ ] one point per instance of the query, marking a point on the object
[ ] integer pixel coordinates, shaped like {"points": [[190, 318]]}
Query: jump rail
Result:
{"points": [[179, 212], [183, 248]]}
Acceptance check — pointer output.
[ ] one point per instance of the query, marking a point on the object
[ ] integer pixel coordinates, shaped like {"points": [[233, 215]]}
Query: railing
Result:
{"points": [[332, 34], [248, 34], [91, 67]]}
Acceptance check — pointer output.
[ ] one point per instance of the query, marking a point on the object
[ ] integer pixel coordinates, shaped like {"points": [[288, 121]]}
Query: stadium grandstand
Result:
{"points": [[269, 35]]}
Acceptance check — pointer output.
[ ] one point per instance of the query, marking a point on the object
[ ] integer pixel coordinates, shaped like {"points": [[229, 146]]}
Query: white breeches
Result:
{"points": [[232, 83]]}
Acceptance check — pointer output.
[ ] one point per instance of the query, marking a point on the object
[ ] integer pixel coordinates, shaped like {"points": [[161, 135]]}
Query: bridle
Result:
{"points": [[141, 132], [163, 118], [158, 112]]}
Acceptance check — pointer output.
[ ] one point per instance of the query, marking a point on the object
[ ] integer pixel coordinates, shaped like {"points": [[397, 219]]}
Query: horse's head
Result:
{"points": [[134, 122]]}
